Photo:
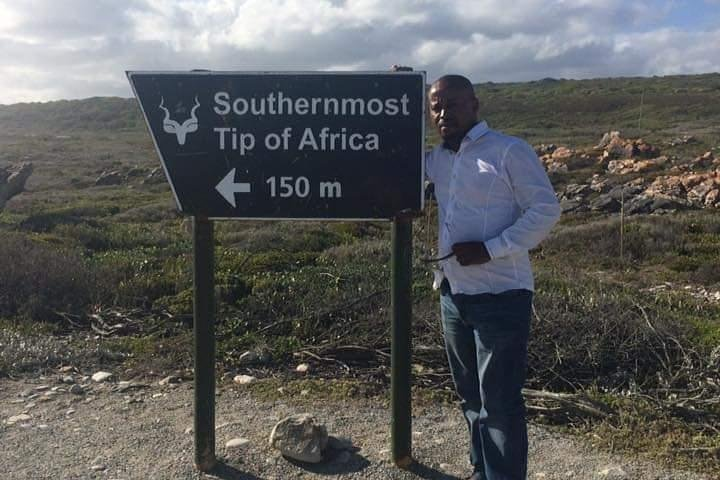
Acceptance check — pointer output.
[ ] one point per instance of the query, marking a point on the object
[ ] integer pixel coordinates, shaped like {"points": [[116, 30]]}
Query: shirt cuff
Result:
{"points": [[495, 248]]}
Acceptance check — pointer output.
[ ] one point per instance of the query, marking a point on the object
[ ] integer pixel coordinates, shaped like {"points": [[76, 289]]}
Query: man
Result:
{"points": [[495, 203]]}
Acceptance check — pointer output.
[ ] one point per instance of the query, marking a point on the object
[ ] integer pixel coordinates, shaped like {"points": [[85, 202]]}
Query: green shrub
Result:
{"points": [[38, 279], [46, 221]]}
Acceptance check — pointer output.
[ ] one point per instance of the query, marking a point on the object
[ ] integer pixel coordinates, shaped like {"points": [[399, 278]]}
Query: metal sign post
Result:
{"points": [[204, 325], [294, 146], [401, 346]]}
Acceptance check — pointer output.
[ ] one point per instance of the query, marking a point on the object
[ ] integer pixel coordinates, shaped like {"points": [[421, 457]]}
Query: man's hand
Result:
{"points": [[401, 68], [471, 253]]}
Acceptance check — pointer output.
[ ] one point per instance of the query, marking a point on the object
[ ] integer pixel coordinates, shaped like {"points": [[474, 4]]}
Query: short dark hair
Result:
{"points": [[456, 82]]}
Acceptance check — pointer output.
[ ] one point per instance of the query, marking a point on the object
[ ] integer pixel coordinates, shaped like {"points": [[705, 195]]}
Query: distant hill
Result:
{"points": [[578, 111], [575, 112], [65, 116]]}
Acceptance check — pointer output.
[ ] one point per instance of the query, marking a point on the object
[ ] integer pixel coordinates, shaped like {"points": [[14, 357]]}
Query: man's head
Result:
{"points": [[453, 107]]}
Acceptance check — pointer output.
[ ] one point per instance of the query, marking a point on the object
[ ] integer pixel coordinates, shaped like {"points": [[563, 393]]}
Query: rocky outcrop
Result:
{"points": [[614, 146], [631, 165], [12, 181], [697, 189]]}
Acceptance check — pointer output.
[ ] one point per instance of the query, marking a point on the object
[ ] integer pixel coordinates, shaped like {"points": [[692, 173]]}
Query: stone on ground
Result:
{"points": [[244, 379], [236, 443], [300, 437], [101, 376]]}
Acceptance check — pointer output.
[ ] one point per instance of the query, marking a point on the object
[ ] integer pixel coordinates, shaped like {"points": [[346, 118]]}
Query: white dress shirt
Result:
{"points": [[493, 190]]}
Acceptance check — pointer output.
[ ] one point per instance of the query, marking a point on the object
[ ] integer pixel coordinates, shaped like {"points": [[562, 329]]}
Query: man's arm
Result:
{"points": [[537, 200]]}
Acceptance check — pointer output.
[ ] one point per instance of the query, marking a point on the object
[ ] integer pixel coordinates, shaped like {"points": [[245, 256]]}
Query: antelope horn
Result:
{"points": [[192, 112], [167, 113]]}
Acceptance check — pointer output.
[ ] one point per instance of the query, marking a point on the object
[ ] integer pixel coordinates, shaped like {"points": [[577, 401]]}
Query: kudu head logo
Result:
{"points": [[180, 129]]}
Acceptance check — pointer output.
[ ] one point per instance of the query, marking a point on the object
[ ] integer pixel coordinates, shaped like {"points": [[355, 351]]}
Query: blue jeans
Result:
{"points": [[486, 339]]}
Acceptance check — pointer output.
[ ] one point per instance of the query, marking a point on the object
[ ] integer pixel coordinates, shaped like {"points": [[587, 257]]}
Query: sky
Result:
{"points": [[67, 49]]}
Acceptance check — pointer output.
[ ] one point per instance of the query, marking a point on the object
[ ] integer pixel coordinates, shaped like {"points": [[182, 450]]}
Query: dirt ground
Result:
{"points": [[73, 428]]}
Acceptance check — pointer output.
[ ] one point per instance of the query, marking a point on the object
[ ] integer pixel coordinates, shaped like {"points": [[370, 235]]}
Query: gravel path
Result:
{"points": [[115, 430]]}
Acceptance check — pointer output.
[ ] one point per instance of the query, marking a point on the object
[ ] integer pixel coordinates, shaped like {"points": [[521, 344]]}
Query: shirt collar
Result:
{"points": [[480, 129]]}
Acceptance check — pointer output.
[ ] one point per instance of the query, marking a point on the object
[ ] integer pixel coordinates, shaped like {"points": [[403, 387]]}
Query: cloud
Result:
{"points": [[81, 48]]}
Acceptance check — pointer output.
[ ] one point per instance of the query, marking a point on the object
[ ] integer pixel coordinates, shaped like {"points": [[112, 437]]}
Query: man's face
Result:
{"points": [[453, 110]]}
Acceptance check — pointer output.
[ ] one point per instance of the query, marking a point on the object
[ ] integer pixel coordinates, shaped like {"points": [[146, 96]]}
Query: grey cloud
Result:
{"points": [[82, 48]]}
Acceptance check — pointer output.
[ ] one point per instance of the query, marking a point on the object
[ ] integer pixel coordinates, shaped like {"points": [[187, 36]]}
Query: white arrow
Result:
{"points": [[228, 188]]}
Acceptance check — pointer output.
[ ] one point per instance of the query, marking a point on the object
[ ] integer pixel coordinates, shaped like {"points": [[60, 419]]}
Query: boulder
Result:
{"points": [[599, 184], [666, 203], [685, 139], [12, 181], [623, 193], [606, 139], [605, 203], [156, 176], [300, 437], [114, 177], [543, 149], [698, 193], [562, 153], [639, 204], [557, 167], [255, 357], [567, 205], [712, 199], [575, 189]]}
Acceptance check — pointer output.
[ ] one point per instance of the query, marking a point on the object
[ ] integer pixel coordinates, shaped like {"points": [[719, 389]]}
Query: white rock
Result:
{"points": [[300, 437], [236, 443], [169, 379], [70, 412], [302, 368], [23, 417], [244, 379], [98, 468], [41, 388], [101, 376], [248, 358], [189, 430], [613, 472]]}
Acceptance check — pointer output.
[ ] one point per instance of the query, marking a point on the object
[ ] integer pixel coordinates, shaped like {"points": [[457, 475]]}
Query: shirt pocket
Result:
{"points": [[480, 186]]}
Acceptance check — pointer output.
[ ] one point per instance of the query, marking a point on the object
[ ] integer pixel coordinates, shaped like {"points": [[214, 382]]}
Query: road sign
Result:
{"points": [[288, 145]]}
